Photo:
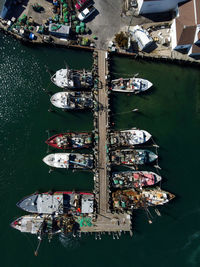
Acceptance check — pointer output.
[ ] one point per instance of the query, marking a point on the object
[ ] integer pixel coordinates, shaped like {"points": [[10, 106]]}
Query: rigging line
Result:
{"points": [[123, 74], [121, 113]]}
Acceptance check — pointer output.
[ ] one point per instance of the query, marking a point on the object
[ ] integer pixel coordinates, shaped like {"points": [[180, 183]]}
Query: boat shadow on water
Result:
{"points": [[149, 92], [63, 113], [66, 171], [69, 241]]}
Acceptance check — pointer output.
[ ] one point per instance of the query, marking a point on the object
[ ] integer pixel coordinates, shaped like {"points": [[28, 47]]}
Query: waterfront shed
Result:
{"points": [[141, 36], [58, 30]]}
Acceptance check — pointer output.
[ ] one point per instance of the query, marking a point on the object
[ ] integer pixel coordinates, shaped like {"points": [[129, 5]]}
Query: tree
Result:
{"points": [[121, 39]]}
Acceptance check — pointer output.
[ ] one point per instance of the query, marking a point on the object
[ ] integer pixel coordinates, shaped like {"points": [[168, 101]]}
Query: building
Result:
{"points": [[59, 30], [185, 28], [5, 7], [142, 37], [157, 6], [194, 51]]}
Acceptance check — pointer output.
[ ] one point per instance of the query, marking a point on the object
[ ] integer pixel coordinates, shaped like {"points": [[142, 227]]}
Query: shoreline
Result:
{"points": [[63, 44]]}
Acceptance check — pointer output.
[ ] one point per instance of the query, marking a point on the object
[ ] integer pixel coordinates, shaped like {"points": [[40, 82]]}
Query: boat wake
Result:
{"points": [[192, 238], [69, 242], [195, 256]]}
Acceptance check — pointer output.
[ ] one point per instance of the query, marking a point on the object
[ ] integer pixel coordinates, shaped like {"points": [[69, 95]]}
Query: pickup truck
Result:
{"points": [[86, 13]]}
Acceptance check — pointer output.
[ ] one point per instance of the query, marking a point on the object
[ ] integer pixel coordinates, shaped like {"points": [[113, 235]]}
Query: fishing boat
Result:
{"points": [[132, 157], [69, 160], [71, 79], [129, 137], [60, 202], [72, 100], [136, 179], [130, 85], [70, 140], [44, 224], [135, 199]]}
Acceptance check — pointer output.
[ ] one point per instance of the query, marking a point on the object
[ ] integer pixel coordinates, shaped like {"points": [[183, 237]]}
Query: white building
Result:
{"points": [[141, 36], [157, 6]]}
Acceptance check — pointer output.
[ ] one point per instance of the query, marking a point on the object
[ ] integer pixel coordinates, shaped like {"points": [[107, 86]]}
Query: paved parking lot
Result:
{"points": [[108, 22]]}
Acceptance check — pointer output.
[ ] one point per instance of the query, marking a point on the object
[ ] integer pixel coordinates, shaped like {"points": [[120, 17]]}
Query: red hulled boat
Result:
{"points": [[70, 140]]}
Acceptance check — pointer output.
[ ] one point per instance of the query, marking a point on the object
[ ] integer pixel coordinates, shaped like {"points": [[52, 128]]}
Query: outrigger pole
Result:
{"points": [[133, 110], [38, 246], [157, 212]]}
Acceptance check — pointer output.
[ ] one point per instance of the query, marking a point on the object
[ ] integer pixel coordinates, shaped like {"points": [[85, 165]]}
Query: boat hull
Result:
{"points": [[60, 202], [72, 100], [69, 160], [130, 85], [73, 79], [131, 199], [136, 179], [132, 157], [129, 138], [71, 140], [44, 224]]}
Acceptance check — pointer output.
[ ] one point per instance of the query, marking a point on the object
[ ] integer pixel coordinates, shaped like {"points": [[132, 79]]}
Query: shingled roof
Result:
{"points": [[186, 22], [195, 49], [186, 34], [198, 11]]}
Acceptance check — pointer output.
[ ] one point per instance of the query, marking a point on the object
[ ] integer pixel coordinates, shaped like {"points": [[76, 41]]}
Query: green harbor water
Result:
{"points": [[170, 111]]}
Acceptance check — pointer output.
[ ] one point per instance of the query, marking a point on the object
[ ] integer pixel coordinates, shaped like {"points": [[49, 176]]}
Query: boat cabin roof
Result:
{"points": [[87, 202]]}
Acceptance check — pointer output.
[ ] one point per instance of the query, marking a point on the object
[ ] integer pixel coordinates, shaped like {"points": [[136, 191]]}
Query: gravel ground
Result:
{"points": [[110, 21]]}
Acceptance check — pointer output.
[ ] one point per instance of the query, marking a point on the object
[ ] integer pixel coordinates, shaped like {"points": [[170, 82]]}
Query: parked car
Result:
{"points": [[81, 3]]}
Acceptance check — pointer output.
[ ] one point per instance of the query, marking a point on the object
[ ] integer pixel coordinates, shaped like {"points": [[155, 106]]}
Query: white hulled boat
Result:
{"points": [[129, 137], [71, 79], [69, 160], [130, 85], [72, 100]]}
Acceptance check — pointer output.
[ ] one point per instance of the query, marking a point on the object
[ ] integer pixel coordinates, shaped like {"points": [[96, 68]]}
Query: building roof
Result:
{"points": [[186, 23], [141, 36], [198, 11], [195, 49], [87, 203], [59, 28], [187, 35], [179, 29], [187, 13]]}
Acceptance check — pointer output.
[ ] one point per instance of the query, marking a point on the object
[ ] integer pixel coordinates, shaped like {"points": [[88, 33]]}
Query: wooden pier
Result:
{"points": [[105, 220]]}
